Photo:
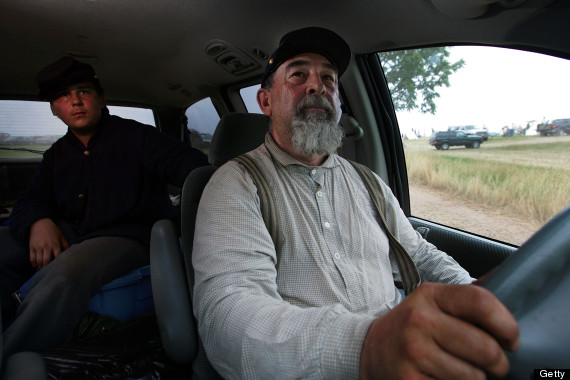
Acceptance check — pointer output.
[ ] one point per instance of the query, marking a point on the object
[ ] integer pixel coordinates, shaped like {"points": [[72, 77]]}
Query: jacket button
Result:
{"points": [[81, 196], [87, 153]]}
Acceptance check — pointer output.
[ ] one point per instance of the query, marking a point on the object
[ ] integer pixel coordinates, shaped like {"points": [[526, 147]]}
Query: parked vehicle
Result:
{"points": [[472, 130], [174, 59], [443, 140], [557, 127]]}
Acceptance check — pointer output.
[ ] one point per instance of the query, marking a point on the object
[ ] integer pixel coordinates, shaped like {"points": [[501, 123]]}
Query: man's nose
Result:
{"points": [[315, 85]]}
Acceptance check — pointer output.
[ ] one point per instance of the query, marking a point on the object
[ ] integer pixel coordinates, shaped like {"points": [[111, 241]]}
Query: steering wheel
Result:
{"points": [[534, 284]]}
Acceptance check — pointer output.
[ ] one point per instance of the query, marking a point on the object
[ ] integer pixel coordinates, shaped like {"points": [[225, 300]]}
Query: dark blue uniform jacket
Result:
{"points": [[117, 186]]}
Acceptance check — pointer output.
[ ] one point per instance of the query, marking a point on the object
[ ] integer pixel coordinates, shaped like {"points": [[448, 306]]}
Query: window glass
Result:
{"points": [[28, 128], [202, 121], [142, 115], [249, 96], [510, 172]]}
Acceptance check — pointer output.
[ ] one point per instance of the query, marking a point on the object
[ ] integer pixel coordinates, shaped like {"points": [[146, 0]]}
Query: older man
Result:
{"points": [[326, 305]]}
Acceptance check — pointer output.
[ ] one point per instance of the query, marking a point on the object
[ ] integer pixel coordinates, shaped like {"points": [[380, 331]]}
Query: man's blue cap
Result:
{"points": [[62, 73], [310, 40]]}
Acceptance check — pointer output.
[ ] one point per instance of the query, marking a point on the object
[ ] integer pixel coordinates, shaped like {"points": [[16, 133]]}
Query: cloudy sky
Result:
{"points": [[498, 87]]}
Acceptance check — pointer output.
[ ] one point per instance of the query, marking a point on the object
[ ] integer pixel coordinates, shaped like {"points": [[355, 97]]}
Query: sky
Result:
{"points": [[496, 88]]}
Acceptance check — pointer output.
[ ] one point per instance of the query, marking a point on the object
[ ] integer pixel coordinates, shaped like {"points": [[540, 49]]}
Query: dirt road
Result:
{"points": [[479, 218]]}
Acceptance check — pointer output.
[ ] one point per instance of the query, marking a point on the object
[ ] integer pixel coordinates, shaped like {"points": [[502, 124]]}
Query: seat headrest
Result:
{"points": [[237, 133]]}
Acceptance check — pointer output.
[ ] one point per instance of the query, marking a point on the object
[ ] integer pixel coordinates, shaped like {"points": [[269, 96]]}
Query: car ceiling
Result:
{"points": [[175, 52]]}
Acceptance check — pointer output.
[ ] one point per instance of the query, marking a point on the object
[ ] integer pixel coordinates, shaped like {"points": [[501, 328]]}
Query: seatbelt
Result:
{"points": [[408, 270]]}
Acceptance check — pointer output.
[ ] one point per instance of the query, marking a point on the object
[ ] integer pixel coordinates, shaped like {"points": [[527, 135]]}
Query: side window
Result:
{"points": [[202, 121], [28, 128], [518, 177], [142, 115], [249, 96]]}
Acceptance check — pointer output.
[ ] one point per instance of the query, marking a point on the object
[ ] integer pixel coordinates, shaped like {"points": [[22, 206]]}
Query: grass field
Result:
{"points": [[20, 151], [529, 175]]}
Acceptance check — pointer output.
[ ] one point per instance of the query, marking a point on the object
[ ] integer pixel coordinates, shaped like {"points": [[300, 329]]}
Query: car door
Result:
{"points": [[476, 205]]}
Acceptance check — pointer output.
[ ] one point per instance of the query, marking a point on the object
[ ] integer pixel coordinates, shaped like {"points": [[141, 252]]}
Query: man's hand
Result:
{"points": [[441, 332], [46, 241]]}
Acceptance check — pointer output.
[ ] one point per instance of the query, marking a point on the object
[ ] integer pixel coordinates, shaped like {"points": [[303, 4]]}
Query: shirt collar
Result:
{"points": [[285, 159]]}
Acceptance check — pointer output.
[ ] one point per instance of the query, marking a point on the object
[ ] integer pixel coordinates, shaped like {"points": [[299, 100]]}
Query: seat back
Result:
{"points": [[236, 133]]}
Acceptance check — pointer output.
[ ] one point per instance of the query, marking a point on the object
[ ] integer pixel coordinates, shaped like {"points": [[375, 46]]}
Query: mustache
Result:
{"points": [[314, 101]]}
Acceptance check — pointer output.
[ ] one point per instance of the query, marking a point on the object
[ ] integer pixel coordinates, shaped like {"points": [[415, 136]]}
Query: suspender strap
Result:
{"points": [[408, 271], [269, 209]]}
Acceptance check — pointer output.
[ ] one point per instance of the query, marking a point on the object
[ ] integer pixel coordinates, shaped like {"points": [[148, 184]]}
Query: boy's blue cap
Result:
{"points": [[310, 40], [62, 73]]}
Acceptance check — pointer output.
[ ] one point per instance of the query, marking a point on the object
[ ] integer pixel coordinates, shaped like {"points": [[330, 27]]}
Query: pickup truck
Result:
{"points": [[558, 127], [443, 140]]}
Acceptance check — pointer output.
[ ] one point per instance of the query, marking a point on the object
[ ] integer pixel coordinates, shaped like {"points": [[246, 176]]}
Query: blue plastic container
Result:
{"points": [[122, 298]]}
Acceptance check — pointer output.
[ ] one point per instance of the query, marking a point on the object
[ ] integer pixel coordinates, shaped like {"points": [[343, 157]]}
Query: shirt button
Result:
{"points": [[314, 171], [87, 153], [327, 224], [337, 255], [319, 193], [81, 196]]}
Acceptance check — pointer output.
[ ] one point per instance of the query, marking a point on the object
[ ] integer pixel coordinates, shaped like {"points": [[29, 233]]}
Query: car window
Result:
{"points": [[518, 177], [249, 96], [202, 121], [28, 128]]}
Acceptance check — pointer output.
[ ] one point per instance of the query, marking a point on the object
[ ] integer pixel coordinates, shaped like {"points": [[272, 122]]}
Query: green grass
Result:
{"points": [[18, 151], [555, 147], [532, 179]]}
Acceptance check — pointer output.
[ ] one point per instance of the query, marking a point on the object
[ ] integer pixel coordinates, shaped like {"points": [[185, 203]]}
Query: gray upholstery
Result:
{"points": [[24, 366], [237, 133], [171, 299], [172, 282]]}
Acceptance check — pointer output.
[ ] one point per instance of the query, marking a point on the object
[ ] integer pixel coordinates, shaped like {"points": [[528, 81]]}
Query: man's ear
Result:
{"points": [[264, 101]]}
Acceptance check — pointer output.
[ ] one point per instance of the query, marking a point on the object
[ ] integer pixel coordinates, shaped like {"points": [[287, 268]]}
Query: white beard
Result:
{"points": [[316, 132]]}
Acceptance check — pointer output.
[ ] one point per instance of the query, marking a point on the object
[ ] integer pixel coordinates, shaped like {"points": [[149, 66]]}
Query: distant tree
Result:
{"points": [[418, 72]]}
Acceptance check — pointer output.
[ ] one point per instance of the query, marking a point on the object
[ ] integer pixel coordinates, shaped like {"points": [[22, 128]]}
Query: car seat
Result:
{"points": [[172, 274]]}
